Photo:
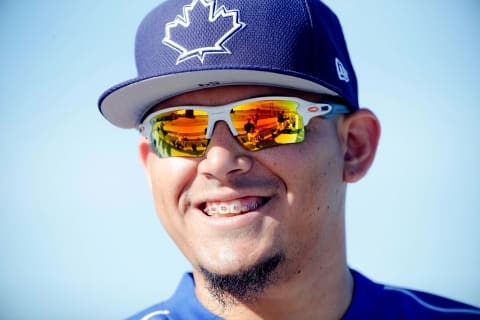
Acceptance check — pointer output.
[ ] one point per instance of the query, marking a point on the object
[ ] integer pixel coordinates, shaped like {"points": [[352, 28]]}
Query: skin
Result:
{"points": [[303, 218]]}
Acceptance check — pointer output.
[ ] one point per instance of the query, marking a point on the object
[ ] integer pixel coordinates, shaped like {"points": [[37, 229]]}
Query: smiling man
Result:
{"points": [[251, 130]]}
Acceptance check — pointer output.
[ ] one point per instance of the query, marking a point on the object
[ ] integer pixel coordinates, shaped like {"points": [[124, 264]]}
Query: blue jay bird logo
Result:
{"points": [[202, 29]]}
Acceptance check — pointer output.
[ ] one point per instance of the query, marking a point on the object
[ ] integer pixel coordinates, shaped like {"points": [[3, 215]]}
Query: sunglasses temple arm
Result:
{"points": [[325, 110], [336, 110]]}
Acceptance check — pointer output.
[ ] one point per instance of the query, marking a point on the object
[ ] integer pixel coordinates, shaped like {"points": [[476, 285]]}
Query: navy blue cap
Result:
{"points": [[187, 45]]}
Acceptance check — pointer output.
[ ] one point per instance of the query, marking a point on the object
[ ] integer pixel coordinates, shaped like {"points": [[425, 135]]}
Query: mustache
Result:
{"points": [[243, 183]]}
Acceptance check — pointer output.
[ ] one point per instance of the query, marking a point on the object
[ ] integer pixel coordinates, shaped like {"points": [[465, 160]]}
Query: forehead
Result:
{"points": [[227, 94]]}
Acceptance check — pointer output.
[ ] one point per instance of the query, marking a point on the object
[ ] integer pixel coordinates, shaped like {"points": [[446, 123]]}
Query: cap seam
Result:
{"points": [[309, 13]]}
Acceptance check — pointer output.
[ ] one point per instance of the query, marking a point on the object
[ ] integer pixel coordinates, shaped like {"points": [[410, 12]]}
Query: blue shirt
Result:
{"points": [[370, 301]]}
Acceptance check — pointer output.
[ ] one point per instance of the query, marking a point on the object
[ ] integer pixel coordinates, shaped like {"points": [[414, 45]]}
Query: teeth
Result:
{"points": [[212, 209], [236, 207], [224, 208], [231, 207]]}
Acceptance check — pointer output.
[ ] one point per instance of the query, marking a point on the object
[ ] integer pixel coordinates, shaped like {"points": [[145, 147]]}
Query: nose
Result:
{"points": [[224, 157]]}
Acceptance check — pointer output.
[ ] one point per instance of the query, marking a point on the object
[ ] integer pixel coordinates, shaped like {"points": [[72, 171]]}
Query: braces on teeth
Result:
{"points": [[229, 208]]}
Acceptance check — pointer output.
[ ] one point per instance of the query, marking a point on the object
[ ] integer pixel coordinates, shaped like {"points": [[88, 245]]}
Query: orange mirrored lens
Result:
{"points": [[259, 124], [267, 123], [180, 133]]}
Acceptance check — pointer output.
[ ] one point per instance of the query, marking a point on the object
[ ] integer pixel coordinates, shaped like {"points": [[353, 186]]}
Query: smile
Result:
{"points": [[232, 208]]}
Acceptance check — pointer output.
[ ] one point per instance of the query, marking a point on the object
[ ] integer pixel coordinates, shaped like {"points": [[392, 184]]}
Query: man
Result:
{"points": [[262, 225]]}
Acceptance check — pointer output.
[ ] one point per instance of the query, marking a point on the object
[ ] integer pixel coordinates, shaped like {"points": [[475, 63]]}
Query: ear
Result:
{"points": [[361, 132], [144, 148]]}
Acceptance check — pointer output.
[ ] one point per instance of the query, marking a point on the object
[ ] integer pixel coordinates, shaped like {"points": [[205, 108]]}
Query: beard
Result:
{"points": [[245, 285]]}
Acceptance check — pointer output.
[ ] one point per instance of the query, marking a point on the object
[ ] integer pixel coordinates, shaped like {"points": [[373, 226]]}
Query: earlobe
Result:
{"points": [[361, 135], [144, 149]]}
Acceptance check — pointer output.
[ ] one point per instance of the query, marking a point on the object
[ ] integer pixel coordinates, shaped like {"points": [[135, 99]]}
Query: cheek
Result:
{"points": [[311, 165], [313, 174], [322, 181], [169, 177], [315, 201]]}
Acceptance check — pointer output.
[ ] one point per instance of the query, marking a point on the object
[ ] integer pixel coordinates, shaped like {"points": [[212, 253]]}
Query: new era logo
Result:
{"points": [[341, 71], [202, 29]]}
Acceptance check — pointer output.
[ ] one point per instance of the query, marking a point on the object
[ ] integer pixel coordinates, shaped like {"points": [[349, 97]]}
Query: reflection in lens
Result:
{"points": [[267, 123], [180, 133], [259, 124]]}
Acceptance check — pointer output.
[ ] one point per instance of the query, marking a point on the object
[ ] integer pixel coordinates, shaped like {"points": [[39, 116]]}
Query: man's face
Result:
{"points": [[292, 195]]}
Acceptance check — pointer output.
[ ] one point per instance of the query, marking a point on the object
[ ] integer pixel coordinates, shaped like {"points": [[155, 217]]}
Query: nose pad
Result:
{"points": [[224, 155], [222, 135]]}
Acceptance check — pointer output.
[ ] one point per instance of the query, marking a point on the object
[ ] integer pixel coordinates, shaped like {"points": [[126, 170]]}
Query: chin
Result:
{"points": [[244, 282], [230, 260]]}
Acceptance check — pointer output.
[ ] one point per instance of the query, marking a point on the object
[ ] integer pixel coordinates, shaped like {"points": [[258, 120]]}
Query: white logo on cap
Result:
{"points": [[341, 71], [184, 36]]}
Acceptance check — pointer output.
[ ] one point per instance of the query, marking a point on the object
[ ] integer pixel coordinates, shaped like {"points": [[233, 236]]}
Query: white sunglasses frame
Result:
{"points": [[307, 109]]}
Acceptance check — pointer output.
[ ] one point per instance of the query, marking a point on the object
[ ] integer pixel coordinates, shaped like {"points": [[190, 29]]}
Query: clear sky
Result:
{"points": [[79, 238]]}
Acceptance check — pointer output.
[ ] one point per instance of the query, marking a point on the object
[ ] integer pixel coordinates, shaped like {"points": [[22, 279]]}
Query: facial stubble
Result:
{"points": [[247, 284]]}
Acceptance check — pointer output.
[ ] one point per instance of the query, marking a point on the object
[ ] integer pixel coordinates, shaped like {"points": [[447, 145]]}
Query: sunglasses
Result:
{"points": [[257, 123]]}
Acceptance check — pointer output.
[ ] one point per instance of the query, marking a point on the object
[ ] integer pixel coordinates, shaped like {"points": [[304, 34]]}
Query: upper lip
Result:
{"points": [[212, 197]]}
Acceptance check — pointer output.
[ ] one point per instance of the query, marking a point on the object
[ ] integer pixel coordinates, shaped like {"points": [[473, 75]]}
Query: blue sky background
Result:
{"points": [[79, 238]]}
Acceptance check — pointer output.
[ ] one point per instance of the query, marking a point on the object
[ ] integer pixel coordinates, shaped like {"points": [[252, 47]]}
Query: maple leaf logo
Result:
{"points": [[202, 29]]}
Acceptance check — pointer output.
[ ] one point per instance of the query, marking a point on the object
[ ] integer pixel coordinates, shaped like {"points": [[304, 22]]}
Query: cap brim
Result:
{"points": [[126, 104]]}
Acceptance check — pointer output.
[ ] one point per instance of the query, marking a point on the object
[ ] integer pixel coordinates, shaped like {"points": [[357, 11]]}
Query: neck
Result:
{"points": [[326, 298], [319, 291]]}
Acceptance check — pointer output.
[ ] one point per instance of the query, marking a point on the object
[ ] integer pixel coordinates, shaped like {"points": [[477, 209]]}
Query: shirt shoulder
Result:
{"points": [[183, 305], [376, 301], [155, 312]]}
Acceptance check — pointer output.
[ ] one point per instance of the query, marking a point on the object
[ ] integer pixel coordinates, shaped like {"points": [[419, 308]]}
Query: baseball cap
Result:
{"points": [[187, 45]]}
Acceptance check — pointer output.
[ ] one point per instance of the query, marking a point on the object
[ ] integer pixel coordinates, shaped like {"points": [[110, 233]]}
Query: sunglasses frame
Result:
{"points": [[307, 109]]}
